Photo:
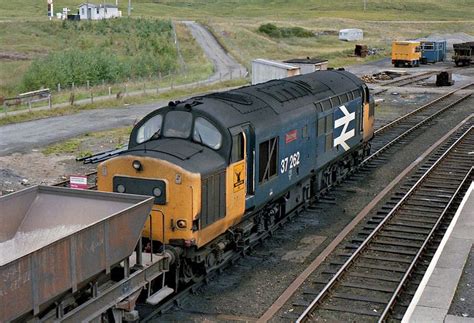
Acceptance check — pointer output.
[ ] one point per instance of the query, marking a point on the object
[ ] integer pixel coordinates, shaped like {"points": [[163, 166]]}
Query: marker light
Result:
{"points": [[120, 188], [137, 165], [181, 224]]}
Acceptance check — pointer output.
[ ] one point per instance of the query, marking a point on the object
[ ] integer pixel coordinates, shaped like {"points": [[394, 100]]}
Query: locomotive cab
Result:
{"points": [[194, 169]]}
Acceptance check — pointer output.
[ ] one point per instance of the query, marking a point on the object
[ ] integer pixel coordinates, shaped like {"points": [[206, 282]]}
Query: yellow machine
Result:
{"points": [[406, 53]]}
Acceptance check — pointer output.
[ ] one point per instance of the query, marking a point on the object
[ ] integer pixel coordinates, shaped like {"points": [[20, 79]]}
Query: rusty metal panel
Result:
{"points": [[53, 239]]}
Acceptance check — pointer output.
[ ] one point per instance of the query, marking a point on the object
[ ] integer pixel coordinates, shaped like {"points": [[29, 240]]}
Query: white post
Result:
{"points": [[49, 101], [110, 91], [59, 87]]}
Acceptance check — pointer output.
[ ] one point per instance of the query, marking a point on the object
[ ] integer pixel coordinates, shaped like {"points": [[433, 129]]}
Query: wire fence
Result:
{"points": [[65, 95]]}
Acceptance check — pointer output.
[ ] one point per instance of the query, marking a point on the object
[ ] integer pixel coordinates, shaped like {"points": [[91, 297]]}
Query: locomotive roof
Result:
{"points": [[274, 101]]}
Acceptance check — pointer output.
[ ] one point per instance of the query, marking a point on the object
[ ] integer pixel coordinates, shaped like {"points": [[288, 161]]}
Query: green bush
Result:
{"points": [[284, 32], [106, 50]]}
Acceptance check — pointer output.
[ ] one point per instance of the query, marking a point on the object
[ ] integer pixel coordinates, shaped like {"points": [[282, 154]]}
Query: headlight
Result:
{"points": [[157, 192], [120, 188], [137, 165]]}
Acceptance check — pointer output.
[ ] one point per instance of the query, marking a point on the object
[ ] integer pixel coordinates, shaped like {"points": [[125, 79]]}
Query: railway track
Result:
{"points": [[409, 79], [406, 124], [389, 255]]}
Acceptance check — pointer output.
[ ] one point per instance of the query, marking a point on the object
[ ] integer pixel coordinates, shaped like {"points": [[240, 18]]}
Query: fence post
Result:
{"points": [[88, 84], [49, 101], [92, 97], [157, 89], [5, 108], [126, 90], [59, 87], [144, 88], [29, 105], [73, 86], [110, 91]]}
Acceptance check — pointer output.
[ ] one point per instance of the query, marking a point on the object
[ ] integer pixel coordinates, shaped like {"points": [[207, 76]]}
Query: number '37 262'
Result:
{"points": [[290, 162]]}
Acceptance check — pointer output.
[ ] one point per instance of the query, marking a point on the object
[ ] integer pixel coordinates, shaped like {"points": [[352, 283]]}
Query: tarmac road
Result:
{"points": [[21, 137]]}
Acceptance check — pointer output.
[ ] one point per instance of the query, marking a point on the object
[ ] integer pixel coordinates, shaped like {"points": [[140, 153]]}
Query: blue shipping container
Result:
{"points": [[433, 51]]}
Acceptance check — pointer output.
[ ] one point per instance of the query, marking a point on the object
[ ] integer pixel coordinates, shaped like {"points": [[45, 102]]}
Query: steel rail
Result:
{"points": [[410, 79], [405, 277], [427, 105], [407, 132], [369, 239]]}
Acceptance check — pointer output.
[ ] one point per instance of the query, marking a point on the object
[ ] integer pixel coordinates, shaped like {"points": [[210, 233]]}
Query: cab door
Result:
{"points": [[243, 148]]}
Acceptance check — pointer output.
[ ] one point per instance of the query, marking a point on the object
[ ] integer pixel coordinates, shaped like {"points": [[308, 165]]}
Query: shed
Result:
{"points": [[308, 65], [351, 34], [90, 11], [265, 70]]}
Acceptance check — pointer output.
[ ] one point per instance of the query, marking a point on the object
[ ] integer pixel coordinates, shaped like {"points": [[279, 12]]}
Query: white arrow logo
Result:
{"points": [[345, 135]]}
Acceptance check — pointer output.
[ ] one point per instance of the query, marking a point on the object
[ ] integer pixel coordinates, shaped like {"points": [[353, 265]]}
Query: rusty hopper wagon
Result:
{"points": [[463, 53], [57, 245]]}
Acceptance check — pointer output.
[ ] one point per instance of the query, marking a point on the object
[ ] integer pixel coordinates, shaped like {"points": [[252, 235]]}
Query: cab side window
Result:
{"points": [[267, 160], [237, 153]]}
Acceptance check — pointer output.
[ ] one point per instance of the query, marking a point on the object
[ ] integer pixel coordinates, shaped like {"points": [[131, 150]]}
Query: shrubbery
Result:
{"points": [[107, 50], [284, 32]]}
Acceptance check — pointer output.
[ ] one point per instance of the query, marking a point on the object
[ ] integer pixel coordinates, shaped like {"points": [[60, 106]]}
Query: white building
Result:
{"points": [[90, 11], [308, 65], [264, 70], [351, 34]]}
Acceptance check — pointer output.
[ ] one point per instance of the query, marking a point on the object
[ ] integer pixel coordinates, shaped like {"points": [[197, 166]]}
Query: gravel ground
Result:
{"points": [[463, 302], [249, 288]]}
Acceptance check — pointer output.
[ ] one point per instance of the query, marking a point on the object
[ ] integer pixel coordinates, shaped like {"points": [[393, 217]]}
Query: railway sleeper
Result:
{"points": [[365, 286], [381, 267], [388, 259], [398, 244], [406, 230], [349, 310], [362, 298], [394, 251], [375, 277], [429, 220], [403, 236], [411, 225]]}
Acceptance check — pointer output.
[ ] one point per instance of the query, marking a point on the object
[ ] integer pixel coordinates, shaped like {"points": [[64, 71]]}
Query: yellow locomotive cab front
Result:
{"points": [[176, 191]]}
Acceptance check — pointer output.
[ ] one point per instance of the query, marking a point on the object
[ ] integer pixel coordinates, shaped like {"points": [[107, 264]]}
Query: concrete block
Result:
{"points": [[424, 314], [454, 254], [445, 277], [437, 297]]}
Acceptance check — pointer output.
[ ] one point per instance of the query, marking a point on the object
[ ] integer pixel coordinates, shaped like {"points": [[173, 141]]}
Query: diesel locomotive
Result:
{"points": [[227, 165]]}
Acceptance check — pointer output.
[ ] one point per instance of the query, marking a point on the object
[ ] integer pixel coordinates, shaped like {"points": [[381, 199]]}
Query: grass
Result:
{"points": [[79, 146], [125, 101]]}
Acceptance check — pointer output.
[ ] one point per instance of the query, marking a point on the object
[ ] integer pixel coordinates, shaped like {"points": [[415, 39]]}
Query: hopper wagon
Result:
{"points": [[65, 254]]}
